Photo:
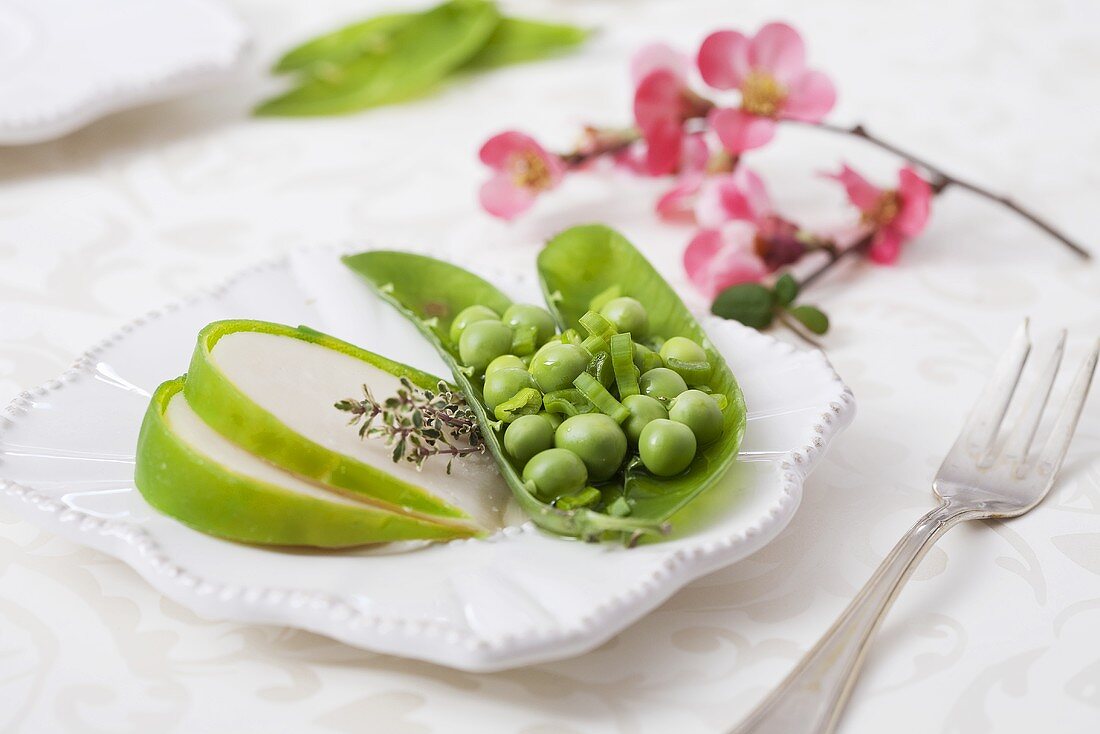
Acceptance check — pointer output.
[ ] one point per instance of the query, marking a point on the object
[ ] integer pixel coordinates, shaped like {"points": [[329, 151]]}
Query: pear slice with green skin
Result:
{"points": [[189, 471], [270, 389]]}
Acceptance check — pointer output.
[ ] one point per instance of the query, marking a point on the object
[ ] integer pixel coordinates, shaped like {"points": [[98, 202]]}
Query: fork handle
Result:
{"points": [[811, 698]]}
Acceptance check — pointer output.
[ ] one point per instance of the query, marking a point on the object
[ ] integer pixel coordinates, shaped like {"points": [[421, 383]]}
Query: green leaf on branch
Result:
{"points": [[750, 303], [813, 318], [419, 54], [786, 289], [516, 40]]}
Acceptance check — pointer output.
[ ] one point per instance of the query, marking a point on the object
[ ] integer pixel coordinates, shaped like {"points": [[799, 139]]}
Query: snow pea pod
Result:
{"points": [[430, 293], [583, 263]]}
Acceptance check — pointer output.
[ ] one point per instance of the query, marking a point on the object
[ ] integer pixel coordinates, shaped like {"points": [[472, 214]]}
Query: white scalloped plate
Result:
{"points": [[519, 597], [64, 63]]}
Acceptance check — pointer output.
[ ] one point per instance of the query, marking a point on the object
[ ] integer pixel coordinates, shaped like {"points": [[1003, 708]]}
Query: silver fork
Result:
{"points": [[989, 472]]}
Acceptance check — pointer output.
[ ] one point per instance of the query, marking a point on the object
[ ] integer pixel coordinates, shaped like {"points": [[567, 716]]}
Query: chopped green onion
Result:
{"points": [[525, 402], [600, 397], [570, 401], [602, 298], [597, 325], [523, 339], [620, 507], [600, 367], [646, 359], [570, 336], [694, 373], [587, 497], [622, 352], [595, 345]]}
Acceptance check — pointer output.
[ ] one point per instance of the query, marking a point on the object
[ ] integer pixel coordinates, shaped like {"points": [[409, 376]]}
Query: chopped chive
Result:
{"points": [[620, 507], [604, 296], [525, 402], [646, 359], [523, 339], [570, 401], [595, 345], [598, 395], [601, 368], [587, 497], [597, 325], [570, 336], [694, 373], [622, 353]]}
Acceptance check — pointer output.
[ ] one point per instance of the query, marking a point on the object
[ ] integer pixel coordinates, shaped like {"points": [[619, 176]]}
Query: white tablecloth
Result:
{"points": [[998, 632]]}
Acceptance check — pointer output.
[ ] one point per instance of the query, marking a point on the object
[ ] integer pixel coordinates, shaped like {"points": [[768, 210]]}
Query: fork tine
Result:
{"points": [[988, 413], [1024, 432], [1062, 433]]}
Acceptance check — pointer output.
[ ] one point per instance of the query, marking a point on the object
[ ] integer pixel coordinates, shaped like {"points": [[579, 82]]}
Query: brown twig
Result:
{"points": [[942, 180], [837, 255]]}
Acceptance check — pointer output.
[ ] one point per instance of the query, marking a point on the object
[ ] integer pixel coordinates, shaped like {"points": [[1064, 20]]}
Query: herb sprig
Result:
{"points": [[418, 423]]}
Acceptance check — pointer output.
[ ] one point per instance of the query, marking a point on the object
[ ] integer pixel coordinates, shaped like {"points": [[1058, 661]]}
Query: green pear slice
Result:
{"points": [[189, 471], [270, 389]]}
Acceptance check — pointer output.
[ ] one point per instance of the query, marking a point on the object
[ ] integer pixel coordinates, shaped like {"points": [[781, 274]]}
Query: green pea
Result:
{"points": [[699, 412], [554, 418], [482, 342], [683, 349], [527, 436], [556, 366], [504, 361], [504, 384], [597, 440], [555, 472], [643, 409], [661, 383], [627, 314], [525, 314], [666, 447], [469, 315]]}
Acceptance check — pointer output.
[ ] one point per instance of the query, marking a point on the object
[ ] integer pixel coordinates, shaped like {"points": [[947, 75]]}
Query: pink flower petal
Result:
{"points": [[778, 50], [861, 192], [756, 193], [721, 199], [657, 57], [664, 143], [658, 99], [675, 205], [723, 59], [695, 153], [810, 97], [716, 259], [502, 198], [498, 149], [740, 131], [886, 246], [916, 202]]}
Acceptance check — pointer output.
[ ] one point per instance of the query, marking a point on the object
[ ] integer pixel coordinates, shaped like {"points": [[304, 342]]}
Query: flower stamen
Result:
{"points": [[529, 171], [884, 211], [762, 95]]}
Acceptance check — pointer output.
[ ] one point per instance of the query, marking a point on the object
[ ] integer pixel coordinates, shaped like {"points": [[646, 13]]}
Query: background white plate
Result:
{"points": [[66, 459], [64, 63]]}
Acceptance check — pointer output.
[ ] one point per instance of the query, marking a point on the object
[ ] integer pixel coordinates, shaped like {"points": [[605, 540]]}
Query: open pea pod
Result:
{"points": [[430, 293], [584, 262]]}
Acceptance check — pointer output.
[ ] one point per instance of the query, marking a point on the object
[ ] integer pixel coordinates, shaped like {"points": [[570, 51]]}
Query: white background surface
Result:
{"points": [[998, 632]]}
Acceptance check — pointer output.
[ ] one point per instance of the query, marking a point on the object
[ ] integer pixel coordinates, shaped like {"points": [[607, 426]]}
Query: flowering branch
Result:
{"points": [[742, 242]]}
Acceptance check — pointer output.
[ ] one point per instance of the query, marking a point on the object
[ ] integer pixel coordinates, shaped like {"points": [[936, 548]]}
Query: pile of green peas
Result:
{"points": [[572, 407]]}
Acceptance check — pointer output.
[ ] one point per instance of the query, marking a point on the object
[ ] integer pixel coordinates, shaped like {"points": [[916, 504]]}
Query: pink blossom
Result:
{"points": [[742, 196], [769, 69], [894, 215], [662, 102], [523, 169], [718, 258], [678, 203]]}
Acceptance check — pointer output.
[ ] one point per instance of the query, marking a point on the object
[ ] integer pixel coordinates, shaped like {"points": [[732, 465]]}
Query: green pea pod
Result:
{"points": [[418, 54], [581, 264], [430, 293]]}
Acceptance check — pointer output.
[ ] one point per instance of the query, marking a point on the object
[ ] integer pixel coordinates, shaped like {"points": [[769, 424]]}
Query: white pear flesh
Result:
{"points": [[298, 382]]}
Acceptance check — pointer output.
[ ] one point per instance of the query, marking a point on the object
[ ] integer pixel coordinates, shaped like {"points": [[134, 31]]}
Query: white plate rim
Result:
{"points": [[421, 638]]}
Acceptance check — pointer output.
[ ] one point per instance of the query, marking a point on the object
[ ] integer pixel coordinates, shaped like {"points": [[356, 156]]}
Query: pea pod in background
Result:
{"points": [[431, 292]]}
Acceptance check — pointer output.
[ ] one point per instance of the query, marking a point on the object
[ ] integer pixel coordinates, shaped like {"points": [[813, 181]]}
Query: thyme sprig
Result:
{"points": [[418, 423]]}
